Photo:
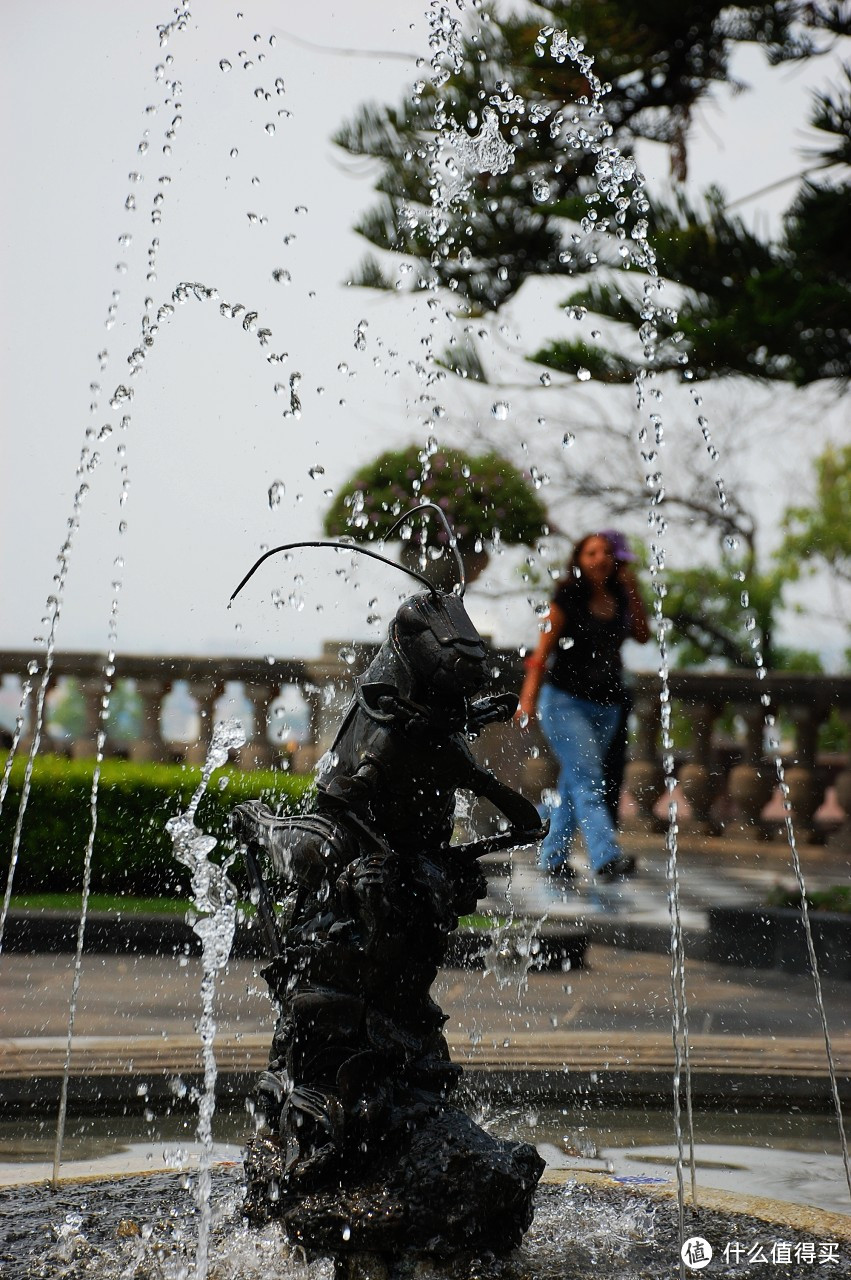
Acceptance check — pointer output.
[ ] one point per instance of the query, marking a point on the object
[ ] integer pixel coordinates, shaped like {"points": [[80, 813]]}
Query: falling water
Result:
{"points": [[215, 902], [615, 173], [89, 462], [109, 671], [814, 969]]}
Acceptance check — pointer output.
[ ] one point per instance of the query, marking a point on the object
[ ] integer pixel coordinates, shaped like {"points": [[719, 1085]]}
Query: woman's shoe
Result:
{"points": [[620, 868]]}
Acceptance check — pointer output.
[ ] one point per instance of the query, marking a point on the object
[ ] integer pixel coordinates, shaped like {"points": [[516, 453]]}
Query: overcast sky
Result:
{"points": [[83, 109]]}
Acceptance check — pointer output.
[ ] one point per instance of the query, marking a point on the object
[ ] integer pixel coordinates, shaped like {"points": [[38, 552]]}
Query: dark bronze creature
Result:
{"points": [[362, 1148]]}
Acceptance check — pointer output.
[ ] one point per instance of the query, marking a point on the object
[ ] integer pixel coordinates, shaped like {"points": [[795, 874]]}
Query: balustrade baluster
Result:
{"points": [[149, 745], [645, 777], [700, 783], [258, 753], [206, 694], [806, 787], [751, 782], [84, 746], [841, 839]]}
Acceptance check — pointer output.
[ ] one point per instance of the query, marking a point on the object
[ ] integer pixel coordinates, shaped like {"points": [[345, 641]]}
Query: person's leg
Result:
{"points": [[555, 848], [586, 730], [614, 762]]}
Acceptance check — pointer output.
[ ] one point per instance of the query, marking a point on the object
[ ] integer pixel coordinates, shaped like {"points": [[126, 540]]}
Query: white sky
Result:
{"points": [[207, 436]]}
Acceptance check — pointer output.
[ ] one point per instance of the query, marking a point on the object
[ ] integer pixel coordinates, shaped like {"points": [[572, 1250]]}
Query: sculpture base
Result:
{"points": [[443, 1188]]}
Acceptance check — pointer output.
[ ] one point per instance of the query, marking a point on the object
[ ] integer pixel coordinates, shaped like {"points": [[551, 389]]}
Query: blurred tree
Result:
{"points": [[520, 89], [779, 311], [819, 535], [478, 493], [537, 210]]}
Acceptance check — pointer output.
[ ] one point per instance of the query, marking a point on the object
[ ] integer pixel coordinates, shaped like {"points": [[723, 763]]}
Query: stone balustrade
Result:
{"points": [[725, 781]]}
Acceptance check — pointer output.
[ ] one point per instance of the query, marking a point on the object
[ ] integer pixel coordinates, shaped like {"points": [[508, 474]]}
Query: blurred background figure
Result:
{"points": [[574, 684], [614, 761]]}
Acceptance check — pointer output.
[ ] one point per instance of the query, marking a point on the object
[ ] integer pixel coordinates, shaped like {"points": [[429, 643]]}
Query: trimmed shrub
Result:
{"points": [[132, 850], [479, 494]]}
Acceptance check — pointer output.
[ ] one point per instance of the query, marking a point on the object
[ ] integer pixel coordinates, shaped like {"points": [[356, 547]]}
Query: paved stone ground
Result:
{"points": [[618, 991], [612, 1015], [712, 873]]}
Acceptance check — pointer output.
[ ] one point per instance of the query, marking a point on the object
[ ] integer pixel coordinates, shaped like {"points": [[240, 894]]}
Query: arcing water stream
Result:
{"points": [[215, 898]]}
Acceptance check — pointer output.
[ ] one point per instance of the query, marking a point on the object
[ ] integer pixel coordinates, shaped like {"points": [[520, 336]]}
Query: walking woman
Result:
{"points": [[574, 685]]}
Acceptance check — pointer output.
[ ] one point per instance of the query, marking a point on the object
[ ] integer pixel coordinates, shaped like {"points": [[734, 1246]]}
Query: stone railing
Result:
{"points": [[731, 782], [320, 686], [725, 782]]}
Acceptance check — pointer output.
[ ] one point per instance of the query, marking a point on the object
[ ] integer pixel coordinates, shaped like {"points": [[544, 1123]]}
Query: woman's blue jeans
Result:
{"points": [[580, 734]]}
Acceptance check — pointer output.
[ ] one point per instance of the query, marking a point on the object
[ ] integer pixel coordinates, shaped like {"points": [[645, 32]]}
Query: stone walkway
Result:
{"points": [[604, 1029]]}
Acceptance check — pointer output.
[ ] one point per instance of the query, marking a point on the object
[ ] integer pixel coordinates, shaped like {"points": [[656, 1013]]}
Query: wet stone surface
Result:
{"points": [[145, 1228]]}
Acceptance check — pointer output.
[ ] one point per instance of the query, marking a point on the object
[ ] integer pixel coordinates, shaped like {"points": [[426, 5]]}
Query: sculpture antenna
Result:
{"points": [[453, 541], [341, 546]]}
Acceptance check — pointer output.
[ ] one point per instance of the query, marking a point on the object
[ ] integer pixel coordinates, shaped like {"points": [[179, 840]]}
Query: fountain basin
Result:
{"points": [[583, 1222]]}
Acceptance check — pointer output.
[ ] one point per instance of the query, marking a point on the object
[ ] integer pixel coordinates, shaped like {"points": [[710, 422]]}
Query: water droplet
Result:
{"points": [[225, 65], [277, 489], [281, 276], [270, 129], [541, 190], [500, 410], [234, 152], [546, 379], [568, 439], [279, 85], [318, 470], [583, 375]]}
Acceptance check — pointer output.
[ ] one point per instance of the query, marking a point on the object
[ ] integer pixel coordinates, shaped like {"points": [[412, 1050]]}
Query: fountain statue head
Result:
{"points": [[439, 653]]}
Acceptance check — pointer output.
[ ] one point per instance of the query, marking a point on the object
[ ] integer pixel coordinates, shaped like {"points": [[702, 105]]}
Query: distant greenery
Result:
{"points": [[836, 898], [480, 495], [705, 603], [771, 309], [132, 850], [125, 904], [819, 535], [67, 715]]}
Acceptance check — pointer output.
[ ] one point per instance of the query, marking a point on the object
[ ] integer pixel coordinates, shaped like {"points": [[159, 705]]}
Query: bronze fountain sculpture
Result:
{"points": [[362, 1148]]}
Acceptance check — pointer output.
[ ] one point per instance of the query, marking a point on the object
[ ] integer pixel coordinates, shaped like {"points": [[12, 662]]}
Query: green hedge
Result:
{"points": [[133, 851]]}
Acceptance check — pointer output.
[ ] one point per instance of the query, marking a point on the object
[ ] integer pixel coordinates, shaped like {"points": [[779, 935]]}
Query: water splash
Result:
{"points": [[487, 151], [214, 896], [515, 950]]}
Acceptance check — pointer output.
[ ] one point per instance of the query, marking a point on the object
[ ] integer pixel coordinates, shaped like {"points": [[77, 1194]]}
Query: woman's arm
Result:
{"points": [[536, 664], [636, 614]]}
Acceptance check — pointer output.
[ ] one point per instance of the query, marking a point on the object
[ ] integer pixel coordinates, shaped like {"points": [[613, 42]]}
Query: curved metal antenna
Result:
{"points": [[453, 541], [338, 546]]}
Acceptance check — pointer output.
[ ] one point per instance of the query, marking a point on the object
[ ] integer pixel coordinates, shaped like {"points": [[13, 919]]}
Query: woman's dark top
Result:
{"points": [[590, 667]]}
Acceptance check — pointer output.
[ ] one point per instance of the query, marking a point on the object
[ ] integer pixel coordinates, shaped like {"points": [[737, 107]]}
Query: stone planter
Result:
{"points": [[774, 938]]}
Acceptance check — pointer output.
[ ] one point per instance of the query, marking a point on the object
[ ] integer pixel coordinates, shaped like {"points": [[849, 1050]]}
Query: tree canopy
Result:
{"points": [[780, 311]]}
